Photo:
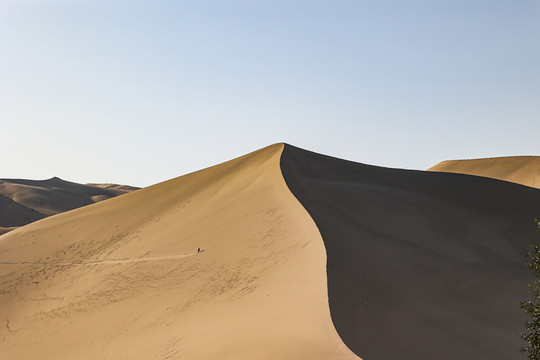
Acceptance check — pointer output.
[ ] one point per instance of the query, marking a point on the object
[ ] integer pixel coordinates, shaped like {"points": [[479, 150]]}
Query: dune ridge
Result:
{"points": [[123, 278], [420, 265], [524, 170]]}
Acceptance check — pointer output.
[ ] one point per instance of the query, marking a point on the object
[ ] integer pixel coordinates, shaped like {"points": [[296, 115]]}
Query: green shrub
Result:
{"points": [[532, 307]]}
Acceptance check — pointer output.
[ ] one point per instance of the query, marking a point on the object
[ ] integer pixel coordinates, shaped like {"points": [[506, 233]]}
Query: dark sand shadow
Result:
{"points": [[420, 265]]}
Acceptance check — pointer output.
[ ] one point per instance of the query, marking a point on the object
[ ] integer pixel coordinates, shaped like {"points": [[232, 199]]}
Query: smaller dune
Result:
{"points": [[524, 170], [124, 188], [5, 229], [24, 201]]}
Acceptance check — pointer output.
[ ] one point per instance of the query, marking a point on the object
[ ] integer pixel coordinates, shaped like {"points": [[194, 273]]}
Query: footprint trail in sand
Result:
{"points": [[100, 262]]}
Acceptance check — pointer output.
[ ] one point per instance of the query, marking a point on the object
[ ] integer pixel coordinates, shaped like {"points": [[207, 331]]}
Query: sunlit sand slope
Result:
{"points": [[25, 201], [421, 265], [523, 170], [122, 279]]}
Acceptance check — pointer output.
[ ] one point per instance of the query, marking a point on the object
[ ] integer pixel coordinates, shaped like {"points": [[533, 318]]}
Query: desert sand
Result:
{"points": [[303, 256], [25, 201], [421, 265], [122, 279], [121, 188], [523, 170], [5, 229]]}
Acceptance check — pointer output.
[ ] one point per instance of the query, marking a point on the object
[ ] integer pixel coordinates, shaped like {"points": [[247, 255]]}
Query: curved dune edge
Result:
{"points": [[258, 290], [420, 265], [524, 170], [6, 229]]}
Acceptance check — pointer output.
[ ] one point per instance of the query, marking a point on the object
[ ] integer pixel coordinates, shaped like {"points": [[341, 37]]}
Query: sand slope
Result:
{"points": [[122, 279], [421, 265], [523, 170], [25, 201], [411, 265], [121, 188]]}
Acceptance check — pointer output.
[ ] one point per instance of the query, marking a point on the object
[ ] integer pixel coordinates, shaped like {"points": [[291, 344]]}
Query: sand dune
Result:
{"points": [[123, 279], [421, 265], [523, 170], [411, 265], [5, 229], [123, 188], [25, 201]]}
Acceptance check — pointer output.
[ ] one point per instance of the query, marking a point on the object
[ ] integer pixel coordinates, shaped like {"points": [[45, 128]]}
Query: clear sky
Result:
{"points": [[138, 92]]}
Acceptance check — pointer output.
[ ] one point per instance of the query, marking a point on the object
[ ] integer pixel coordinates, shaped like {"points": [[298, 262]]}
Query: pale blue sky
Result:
{"points": [[139, 92]]}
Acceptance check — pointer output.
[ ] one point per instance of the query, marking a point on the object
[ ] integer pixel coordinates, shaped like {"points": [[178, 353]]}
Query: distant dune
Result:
{"points": [[523, 170], [124, 188], [302, 256], [25, 201], [5, 229]]}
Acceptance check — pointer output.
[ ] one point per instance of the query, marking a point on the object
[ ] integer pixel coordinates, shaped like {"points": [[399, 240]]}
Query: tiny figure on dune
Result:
{"points": [[198, 250]]}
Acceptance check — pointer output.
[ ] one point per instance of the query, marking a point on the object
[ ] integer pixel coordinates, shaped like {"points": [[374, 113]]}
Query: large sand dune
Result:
{"points": [[122, 279], [25, 201], [523, 170], [411, 265], [421, 265]]}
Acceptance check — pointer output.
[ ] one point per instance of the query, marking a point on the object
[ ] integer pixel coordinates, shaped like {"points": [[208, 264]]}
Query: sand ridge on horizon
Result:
{"points": [[24, 201], [303, 256], [524, 170]]}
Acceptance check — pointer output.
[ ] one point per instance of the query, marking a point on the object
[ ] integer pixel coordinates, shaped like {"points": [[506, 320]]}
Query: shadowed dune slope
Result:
{"points": [[25, 201], [523, 170], [421, 265], [122, 279]]}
